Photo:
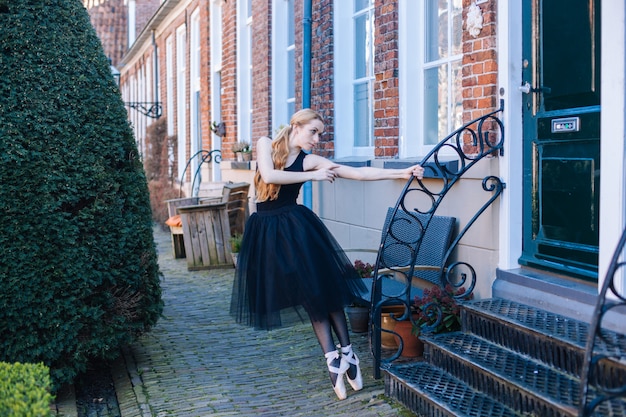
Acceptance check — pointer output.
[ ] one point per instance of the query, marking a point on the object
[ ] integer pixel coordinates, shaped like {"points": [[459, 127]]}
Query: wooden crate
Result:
{"points": [[206, 233]]}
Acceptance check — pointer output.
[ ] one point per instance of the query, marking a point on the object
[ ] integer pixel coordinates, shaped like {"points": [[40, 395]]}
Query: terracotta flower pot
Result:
{"points": [[388, 340], [413, 346]]}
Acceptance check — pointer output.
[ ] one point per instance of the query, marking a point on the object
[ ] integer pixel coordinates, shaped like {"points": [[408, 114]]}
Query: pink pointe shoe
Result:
{"points": [[349, 359], [339, 385]]}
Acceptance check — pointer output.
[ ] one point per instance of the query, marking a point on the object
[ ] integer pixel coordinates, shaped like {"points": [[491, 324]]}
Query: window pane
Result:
{"points": [[290, 23], [360, 47], [435, 104], [291, 74], [457, 27], [291, 109], [362, 4], [362, 113], [456, 97], [436, 31]]}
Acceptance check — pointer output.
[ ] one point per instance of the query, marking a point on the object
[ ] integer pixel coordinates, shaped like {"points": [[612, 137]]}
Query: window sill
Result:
{"points": [[430, 169]]}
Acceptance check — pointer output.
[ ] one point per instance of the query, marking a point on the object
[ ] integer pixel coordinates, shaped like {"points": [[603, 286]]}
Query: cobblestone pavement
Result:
{"points": [[198, 362]]}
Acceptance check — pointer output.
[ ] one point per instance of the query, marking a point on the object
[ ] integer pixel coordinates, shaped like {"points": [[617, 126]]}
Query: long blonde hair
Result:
{"points": [[280, 152]]}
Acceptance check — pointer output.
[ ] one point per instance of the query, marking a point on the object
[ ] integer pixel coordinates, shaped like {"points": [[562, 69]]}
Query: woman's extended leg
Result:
{"points": [[336, 367], [348, 357]]}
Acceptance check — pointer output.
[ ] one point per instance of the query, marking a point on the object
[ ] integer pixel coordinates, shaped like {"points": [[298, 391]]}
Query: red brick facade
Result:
{"points": [[479, 64], [386, 93], [109, 19]]}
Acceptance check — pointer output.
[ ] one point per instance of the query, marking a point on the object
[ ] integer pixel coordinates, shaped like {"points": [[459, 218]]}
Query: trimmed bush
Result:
{"points": [[25, 390], [78, 270]]}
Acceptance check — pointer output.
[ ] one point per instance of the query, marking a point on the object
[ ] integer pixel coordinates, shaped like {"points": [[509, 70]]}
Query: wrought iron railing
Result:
{"points": [[596, 388], [204, 156], [448, 161]]}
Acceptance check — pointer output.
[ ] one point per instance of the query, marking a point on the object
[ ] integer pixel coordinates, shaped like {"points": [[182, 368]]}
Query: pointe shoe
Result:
{"points": [[339, 386], [348, 358]]}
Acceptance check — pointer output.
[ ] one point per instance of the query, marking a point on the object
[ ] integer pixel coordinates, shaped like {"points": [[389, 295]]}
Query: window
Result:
{"points": [[216, 77], [181, 131], [354, 77], [244, 68], [430, 84], [283, 63], [169, 83], [194, 96]]}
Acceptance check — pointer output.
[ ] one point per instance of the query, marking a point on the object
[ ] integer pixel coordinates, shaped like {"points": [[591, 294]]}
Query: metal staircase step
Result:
{"points": [[556, 340], [513, 379], [431, 392]]}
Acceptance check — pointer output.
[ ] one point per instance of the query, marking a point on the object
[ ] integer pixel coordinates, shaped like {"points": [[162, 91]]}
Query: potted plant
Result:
{"points": [[235, 247], [218, 128], [358, 312], [242, 151], [437, 299]]}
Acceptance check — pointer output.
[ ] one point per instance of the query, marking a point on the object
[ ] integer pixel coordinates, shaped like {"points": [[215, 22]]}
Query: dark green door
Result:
{"points": [[561, 86]]}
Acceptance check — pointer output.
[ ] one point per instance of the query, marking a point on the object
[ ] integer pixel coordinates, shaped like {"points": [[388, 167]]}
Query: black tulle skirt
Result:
{"points": [[289, 265]]}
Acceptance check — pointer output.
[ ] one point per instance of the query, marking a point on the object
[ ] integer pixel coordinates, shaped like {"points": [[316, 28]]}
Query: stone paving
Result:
{"points": [[198, 362]]}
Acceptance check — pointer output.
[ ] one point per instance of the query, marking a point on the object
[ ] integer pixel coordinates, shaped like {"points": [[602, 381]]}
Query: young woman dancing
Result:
{"points": [[288, 258]]}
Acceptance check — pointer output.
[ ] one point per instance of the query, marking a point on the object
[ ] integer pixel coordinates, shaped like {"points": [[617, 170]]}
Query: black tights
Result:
{"points": [[324, 331]]}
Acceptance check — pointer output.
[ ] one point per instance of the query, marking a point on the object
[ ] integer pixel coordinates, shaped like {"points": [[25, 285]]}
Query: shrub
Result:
{"points": [[78, 271], [25, 390]]}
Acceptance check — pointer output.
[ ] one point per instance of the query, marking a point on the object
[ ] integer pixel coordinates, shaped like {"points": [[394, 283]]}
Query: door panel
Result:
{"points": [[561, 135]]}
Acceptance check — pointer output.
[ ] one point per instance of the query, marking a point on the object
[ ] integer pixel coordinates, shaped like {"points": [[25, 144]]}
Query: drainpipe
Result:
{"points": [[307, 194]]}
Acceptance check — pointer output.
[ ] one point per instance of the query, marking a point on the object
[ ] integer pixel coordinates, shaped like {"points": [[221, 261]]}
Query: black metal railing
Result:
{"points": [[603, 347], [203, 156], [448, 161]]}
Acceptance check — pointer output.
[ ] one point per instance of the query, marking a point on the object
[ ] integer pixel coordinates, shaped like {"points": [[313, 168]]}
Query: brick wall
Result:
{"points": [[229, 77], [144, 10], [108, 17], [261, 70], [386, 93], [480, 67]]}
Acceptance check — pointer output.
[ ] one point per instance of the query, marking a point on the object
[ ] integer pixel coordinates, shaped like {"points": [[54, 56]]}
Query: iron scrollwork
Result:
{"points": [[466, 146], [205, 156], [598, 385]]}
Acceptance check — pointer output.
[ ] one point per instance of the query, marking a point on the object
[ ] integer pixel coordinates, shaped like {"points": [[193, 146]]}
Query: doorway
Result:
{"points": [[561, 149]]}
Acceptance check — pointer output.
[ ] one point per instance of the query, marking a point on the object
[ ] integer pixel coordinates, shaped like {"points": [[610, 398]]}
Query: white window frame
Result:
{"points": [[194, 90], [344, 49], [283, 103], [181, 99], [216, 78], [244, 71], [169, 83], [411, 26], [132, 22]]}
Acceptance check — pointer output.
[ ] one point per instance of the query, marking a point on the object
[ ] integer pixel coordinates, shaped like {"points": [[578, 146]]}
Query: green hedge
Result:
{"points": [[78, 272], [25, 390]]}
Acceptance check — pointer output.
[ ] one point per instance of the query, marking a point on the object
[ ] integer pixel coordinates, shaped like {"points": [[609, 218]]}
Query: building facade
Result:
{"points": [[391, 79]]}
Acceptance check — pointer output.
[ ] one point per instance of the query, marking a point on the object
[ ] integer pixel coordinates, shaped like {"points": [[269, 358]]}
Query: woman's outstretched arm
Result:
{"points": [[363, 173], [271, 175]]}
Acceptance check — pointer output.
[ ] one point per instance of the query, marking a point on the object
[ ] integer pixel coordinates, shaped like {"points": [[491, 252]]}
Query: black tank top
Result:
{"points": [[288, 193]]}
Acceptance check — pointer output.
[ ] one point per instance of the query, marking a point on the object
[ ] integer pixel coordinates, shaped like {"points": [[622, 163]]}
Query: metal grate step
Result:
{"points": [[430, 391], [513, 379], [555, 340]]}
